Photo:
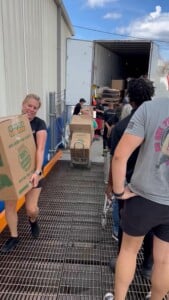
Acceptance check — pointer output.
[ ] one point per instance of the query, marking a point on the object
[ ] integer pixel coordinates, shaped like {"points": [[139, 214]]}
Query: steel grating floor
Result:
{"points": [[70, 259]]}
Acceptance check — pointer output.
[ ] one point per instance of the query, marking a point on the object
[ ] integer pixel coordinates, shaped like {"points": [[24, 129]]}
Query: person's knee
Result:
{"points": [[128, 251], [32, 210], [161, 251], [130, 244], [162, 260]]}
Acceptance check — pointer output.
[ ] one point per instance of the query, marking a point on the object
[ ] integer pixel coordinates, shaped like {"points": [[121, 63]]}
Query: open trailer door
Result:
{"points": [[153, 73], [79, 71], [153, 62]]}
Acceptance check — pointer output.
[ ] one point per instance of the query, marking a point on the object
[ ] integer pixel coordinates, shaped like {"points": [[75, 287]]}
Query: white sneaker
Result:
{"points": [[108, 296], [115, 237], [148, 296]]}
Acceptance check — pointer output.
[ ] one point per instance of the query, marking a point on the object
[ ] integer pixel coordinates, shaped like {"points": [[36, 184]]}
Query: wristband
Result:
{"points": [[37, 172], [119, 194]]}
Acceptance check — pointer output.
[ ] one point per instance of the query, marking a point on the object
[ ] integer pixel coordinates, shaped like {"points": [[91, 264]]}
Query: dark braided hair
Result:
{"points": [[140, 90]]}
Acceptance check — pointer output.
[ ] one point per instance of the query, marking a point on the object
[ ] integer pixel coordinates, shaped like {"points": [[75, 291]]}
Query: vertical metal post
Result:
{"points": [[52, 122], [59, 56], [64, 114]]}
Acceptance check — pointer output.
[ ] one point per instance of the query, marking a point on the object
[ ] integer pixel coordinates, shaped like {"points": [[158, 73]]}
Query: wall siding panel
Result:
{"points": [[28, 52]]}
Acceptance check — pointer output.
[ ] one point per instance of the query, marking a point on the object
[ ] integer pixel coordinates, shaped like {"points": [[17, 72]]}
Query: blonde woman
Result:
{"points": [[30, 107]]}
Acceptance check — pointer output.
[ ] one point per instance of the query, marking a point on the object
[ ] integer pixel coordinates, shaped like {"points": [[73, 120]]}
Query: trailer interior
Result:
{"points": [[121, 59]]}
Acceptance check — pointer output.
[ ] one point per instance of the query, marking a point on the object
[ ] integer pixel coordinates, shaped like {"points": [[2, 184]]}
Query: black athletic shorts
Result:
{"points": [[140, 215]]}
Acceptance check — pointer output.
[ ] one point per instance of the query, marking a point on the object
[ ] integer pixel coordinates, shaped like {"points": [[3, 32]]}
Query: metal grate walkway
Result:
{"points": [[70, 259]]}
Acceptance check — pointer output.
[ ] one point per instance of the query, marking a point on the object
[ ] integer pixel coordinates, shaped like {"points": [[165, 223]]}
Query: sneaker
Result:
{"points": [[146, 273], [148, 296], [115, 237], [104, 152], [108, 296], [112, 264], [35, 230], [10, 245]]}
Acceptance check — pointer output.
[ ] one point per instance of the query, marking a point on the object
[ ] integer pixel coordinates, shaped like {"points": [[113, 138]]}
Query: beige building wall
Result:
{"points": [[28, 51]]}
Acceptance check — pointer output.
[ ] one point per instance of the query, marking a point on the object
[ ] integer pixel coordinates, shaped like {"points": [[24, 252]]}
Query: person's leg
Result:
{"points": [[115, 218], [147, 255], [99, 126], [104, 143], [11, 217], [112, 262], [32, 210], [31, 203], [126, 264], [148, 250], [120, 233], [160, 275], [12, 220], [104, 138]]}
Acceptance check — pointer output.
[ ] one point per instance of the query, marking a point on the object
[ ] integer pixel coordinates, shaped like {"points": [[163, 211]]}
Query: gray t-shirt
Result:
{"points": [[151, 174]]}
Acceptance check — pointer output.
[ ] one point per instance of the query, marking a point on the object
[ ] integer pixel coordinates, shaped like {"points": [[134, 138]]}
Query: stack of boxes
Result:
{"points": [[115, 93], [119, 85], [81, 130], [110, 95]]}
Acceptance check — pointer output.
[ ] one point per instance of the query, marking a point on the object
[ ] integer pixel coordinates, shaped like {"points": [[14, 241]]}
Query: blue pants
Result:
{"points": [[115, 217]]}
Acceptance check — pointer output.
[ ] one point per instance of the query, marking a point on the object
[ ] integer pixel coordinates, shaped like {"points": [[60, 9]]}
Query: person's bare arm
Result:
{"points": [[41, 137], [109, 187], [107, 125], [99, 110], [41, 142]]}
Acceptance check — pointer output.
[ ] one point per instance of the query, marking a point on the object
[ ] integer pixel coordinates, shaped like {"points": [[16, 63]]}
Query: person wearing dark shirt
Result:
{"points": [[139, 91], [146, 201], [79, 106], [115, 137], [110, 119], [99, 116], [30, 106]]}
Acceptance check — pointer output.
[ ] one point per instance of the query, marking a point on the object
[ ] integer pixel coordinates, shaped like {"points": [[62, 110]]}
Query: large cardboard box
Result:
{"points": [[17, 157], [80, 146], [118, 84], [81, 123]]}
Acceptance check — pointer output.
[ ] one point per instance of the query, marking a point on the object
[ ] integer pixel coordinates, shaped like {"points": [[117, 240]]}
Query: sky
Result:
{"points": [[121, 19]]}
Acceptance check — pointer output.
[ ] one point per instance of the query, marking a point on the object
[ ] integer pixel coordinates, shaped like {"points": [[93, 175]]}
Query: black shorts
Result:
{"points": [[140, 215]]}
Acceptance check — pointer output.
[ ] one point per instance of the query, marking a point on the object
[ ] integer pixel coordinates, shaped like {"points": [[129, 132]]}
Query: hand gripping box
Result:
{"points": [[17, 157]]}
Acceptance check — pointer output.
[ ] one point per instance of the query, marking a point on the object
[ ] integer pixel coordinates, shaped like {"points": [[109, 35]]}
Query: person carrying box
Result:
{"points": [[30, 107]]}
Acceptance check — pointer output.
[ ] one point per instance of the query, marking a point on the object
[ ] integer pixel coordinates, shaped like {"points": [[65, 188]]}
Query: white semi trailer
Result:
{"points": [[99, 62]]}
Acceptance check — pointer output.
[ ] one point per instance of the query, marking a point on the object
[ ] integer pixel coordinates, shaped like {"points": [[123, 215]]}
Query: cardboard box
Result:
{"points": [[118, 84], [81, 123], [17, 157], [80, 140], [80, 146]]}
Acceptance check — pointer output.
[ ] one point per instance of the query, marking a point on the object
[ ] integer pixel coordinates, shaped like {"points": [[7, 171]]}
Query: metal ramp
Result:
{"points": [[70, 259]]}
